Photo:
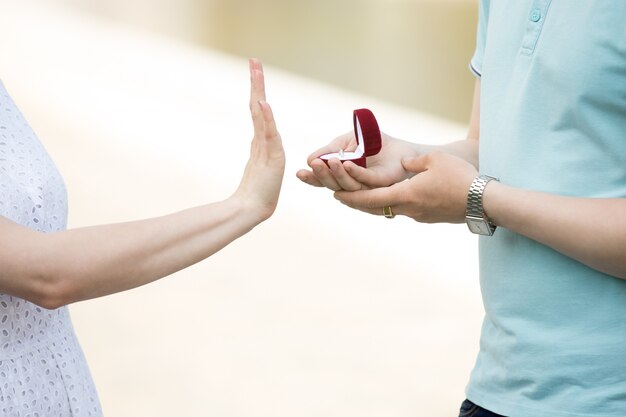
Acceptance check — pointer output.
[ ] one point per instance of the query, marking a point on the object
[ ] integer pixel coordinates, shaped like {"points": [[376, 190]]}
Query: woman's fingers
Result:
{"points": [[257, 94], [268, 120], [272, 138]]}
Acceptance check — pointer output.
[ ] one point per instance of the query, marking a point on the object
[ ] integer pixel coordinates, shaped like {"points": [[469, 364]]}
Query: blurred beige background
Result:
{"points": [[319, 312], [411, 52]]}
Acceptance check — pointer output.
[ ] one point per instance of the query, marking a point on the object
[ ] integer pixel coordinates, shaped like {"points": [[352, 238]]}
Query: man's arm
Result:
{"points": [[591, 231], [385, 168], [467, 149]]}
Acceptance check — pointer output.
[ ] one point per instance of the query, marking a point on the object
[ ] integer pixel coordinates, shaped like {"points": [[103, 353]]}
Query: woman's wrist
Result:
{"points": [[249, 209]]}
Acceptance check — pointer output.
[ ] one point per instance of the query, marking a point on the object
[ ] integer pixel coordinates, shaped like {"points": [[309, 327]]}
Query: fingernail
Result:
{"points": [[317, 168]]}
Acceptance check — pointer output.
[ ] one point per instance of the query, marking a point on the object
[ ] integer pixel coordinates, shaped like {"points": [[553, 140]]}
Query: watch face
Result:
{"points": [[479, 226]]}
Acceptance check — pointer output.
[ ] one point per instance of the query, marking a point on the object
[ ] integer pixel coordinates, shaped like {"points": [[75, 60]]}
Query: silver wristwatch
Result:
{"points": [[475, 216]]}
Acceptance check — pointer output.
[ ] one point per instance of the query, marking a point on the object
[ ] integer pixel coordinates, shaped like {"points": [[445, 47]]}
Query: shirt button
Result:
{"points": [[535, 15]]}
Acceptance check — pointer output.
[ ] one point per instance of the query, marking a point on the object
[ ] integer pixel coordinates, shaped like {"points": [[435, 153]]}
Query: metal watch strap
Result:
{"points": [[475, 200]]}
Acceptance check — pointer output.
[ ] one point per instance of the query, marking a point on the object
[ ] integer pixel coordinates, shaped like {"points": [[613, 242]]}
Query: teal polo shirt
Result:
{"points": [[553, 119]]}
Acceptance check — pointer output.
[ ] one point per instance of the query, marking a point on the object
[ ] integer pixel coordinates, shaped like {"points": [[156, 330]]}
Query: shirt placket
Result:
{"points": [[536, 18]]}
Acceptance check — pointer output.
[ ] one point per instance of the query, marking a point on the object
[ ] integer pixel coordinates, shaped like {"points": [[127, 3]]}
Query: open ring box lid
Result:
{"points": [[368, 139]]}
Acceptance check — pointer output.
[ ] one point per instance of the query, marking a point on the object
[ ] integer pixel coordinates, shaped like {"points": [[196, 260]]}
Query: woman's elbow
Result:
{"points": [[51, 290]]}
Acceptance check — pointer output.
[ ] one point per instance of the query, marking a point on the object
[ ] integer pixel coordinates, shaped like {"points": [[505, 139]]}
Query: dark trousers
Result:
{"points": [[469, 409]]}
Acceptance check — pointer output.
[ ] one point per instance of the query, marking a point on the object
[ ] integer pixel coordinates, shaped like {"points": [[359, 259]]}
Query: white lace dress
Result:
{"points": [[42, 368]]}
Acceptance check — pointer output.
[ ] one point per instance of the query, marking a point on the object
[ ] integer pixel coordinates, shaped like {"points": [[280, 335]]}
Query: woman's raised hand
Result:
{"points": [[260, 186]]}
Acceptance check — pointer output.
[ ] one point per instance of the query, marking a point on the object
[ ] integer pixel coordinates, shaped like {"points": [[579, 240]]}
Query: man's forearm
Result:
{"points": [[466, 149], [590, 230]]}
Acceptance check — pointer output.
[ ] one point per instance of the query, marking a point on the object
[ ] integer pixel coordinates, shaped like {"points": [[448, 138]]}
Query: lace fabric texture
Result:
{"points": [[42, 368]]}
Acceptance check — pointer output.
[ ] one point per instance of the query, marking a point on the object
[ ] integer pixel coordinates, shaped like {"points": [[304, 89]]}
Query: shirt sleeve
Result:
{"points": [[476, 63]]}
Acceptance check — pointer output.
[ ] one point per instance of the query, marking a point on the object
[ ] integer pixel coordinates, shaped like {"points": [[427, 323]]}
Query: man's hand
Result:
{"points": [[437, 192], [382, 170]]}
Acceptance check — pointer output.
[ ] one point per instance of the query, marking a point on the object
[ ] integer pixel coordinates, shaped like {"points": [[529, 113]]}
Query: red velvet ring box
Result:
{"points": [[368, 139]]}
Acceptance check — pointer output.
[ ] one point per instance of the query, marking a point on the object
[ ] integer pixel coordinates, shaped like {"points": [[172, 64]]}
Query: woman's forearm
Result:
{"points": [[592, 231], [60, 268]]}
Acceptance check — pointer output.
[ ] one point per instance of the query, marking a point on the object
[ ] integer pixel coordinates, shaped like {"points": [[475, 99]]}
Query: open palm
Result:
{"points": [[382, 170]]}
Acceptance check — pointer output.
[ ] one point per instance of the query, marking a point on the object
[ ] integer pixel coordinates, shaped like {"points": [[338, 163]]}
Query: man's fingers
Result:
{"points": [[324, 175], [308, 177], [416, 164], [362, 175], [347, 142], [343, 178], [342, 183], [369, 201], [321, 151]]}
